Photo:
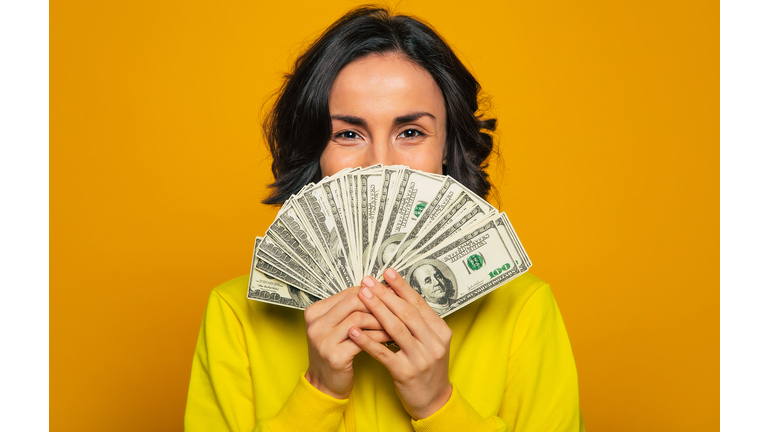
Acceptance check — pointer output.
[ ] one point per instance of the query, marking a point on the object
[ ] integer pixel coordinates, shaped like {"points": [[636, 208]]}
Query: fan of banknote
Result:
{"points": [[451, 245]]}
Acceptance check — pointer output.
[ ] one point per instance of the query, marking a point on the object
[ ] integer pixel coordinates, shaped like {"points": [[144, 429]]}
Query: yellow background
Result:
{"points": [[609, 127]]}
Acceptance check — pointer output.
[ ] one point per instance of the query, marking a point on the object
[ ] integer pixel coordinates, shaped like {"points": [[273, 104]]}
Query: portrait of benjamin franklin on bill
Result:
{"points": [[388, 248], [435, 282]]}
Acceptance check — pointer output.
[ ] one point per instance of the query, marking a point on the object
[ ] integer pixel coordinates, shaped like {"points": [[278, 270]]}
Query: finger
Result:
{"points": [[347, 304], [323, 306], [347, 349], [373, 347], [404, 290], [391, 323], [405, 311], [378, 335], [355, 319]]}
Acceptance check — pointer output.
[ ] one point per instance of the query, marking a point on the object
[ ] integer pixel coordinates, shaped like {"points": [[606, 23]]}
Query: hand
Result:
{"points": [[420, 368], [330, 350]]}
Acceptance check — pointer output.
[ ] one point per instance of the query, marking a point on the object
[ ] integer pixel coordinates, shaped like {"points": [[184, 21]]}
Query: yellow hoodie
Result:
{"points": [[511, 367]]}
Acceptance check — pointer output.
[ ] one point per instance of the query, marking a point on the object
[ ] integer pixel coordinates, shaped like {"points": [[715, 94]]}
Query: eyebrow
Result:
{"points": [[357, 121], [411, 117]]}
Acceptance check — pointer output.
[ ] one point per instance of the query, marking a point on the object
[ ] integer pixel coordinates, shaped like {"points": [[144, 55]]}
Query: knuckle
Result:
{"points": [[374, 305], [399, 330], [313, 332], [325, 354], [409, 312], [423, 365], [421, 304], [439, 352], [335, 363], [408, 374], [309, 313], [351, 299], [381, 355]]}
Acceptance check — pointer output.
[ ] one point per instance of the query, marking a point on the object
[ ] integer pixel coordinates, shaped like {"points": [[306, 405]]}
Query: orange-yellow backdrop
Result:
{"points": [[609, 126]]}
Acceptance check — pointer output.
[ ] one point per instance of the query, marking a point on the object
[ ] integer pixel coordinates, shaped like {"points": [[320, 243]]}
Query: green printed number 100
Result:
{"points": [[499, 270]]}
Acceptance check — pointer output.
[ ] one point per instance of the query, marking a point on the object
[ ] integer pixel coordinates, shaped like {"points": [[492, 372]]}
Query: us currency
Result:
{"points": [[452, 224], [412, 243], [514, 239], [270, 252], [269, 290], [350, 203], [413, 190], [370, 187], [311, 228], [429, 227], [312, 205], [390, 176], [307, 241], [444, 195], [450, 195], [291, 245], [467, 268], [337, 207], [443, 223]]}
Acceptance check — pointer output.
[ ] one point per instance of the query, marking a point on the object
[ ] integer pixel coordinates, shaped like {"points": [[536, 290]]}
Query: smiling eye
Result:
{"points": [[410, 133], [347, 135]]}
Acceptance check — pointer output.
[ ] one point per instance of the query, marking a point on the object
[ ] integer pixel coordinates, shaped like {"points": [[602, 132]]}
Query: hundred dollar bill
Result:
{"points": [[350, 203], [413, 190], [452, 224], [313, 208], [335, 206], [525, 262], [467, 268], [370, 184], [308, 242], [290, 245], [311, 230], [269, 251], [445, 240], [389, 178], [450, 193], [269, 290]]}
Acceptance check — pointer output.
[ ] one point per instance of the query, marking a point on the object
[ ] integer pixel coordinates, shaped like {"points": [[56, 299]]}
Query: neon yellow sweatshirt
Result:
{"points": [[511, 367]]}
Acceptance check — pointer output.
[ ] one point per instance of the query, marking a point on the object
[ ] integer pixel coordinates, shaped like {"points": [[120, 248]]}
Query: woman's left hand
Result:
{"points": [[420, 368]]}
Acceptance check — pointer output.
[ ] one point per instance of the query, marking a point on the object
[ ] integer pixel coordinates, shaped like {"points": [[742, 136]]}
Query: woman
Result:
{"points": [[377, 88]]}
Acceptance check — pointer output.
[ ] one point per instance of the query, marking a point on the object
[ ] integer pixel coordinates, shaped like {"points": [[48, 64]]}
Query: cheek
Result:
{"points": [[334, 160], [424, 159]]}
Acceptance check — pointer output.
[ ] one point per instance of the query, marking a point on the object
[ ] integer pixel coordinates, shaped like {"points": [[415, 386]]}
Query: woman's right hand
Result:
{"points": [[330, 350]]}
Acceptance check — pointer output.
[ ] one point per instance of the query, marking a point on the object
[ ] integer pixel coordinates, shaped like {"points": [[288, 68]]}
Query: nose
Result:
{"points": [[381, 152]]}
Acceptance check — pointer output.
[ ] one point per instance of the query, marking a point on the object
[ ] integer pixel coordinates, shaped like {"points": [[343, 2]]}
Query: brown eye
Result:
{"points": [[347, 135], [410, 133]]}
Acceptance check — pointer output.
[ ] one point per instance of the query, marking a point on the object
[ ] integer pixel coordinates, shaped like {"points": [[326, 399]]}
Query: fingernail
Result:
{"points": [[366, 292], [355, 333], [368, 281], [390, 273]]}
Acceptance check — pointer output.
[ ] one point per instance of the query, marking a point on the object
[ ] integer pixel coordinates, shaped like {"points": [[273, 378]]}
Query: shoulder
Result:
{"points": [[502, 307], [521, 288], [516, 294], [233, 291], [233, 295]]}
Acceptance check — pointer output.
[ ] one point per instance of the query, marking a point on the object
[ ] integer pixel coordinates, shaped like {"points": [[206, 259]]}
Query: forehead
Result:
{"points": [[424, 271], [385, 86]]}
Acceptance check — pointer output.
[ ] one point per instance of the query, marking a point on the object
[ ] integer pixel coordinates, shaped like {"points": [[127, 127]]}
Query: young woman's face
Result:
{"points": [[385, 109]]}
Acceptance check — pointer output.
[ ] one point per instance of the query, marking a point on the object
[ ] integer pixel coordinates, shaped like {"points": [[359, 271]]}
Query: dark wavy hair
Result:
{"points": [[298, 127]]}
